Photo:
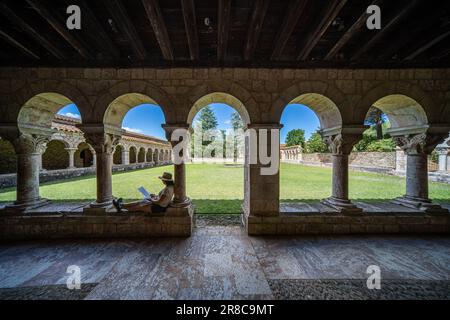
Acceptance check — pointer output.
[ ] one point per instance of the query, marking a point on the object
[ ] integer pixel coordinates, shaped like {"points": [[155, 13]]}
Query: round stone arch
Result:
{"points": [[112, 106], [320, 97], [219, 97], [405, 104], [223, 91], [48, 96]]}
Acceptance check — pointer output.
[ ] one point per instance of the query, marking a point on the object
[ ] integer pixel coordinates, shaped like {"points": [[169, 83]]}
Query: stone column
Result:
{"points": [[442, 152], [341, 146], [29, 149], [181, 204], [103, 142], [417, 148], [125, 156], [94, 159], [71, 152]]}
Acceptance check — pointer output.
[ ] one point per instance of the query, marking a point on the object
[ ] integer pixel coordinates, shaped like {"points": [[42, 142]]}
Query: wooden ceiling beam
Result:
{"points": [[18, 45], [334, 7], [37, 36], [60, 28], [124, 24], [190, 23], [428, 45], [350, 33], [105, 40], [254, 30], [394, 23], [155, 16], [289, 22], [223, 28]]}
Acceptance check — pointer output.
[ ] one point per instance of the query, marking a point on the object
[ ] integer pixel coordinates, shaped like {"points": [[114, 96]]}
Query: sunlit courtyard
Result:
{"points": [[219, 188]]}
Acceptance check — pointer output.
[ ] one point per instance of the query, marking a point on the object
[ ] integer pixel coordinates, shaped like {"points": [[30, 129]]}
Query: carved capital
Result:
{"points": [[30, 143], [103, 142], [423, 143], [341, 144]]}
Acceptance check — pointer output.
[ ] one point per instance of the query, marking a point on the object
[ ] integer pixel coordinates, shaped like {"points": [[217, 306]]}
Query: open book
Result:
{"points": [[144, 192]]}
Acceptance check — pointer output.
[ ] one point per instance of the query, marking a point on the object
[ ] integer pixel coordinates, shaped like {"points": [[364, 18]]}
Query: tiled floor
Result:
{"points": [[219, 262]]}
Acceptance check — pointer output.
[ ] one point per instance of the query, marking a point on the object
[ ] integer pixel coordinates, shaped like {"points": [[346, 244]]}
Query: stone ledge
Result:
{"points": [[307, 224], [51, 226]]}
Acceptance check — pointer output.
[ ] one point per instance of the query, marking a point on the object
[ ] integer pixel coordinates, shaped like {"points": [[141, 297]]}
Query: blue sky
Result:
{"points": [[298, 116], [147, 119]]}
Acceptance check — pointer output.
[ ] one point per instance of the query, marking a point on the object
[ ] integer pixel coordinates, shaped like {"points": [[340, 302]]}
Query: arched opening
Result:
{"points": [[305, 169], [133, 156], [84, 156], [39, 121], [8, 157], [392, 116], [117, 157], [55, 156], [217, 123], [141, 155]]}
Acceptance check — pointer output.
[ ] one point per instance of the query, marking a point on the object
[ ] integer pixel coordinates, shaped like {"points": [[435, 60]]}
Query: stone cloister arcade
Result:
{"points": [[417, 102]]}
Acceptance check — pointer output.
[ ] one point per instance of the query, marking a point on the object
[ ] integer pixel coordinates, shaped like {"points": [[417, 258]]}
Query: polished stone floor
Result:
{"points": [[220, 262]]}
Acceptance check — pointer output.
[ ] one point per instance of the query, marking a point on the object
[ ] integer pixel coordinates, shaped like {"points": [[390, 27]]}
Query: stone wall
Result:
{"points": [[263, 92], [369, 223], [383, 162], [57, 226]]}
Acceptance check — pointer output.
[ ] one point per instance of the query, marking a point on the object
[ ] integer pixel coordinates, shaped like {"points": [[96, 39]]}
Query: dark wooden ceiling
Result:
{"points": [[244, 33]]}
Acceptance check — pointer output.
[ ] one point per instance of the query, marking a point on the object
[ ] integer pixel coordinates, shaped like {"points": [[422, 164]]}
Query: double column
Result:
{"points": [[417, 147], [178, 136], [341, 145], [103, 141]]}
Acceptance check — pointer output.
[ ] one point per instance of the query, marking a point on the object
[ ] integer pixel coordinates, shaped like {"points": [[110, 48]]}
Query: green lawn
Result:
{"points": [[219, 188]]}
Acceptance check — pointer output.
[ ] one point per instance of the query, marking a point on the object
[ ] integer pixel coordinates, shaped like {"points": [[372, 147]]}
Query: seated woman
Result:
{"points": [[154, 204]]}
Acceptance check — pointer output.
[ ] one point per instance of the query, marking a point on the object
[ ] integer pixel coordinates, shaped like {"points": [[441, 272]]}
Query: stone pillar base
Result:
{"points": [[342, 205], [180, 209], [424, 205], [25, 206]]}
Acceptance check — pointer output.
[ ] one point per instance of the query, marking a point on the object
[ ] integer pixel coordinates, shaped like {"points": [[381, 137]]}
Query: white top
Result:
{"points": [[164, 198]]}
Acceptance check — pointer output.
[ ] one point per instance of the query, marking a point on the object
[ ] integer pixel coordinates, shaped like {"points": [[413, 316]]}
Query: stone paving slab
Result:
{"points": [[227, 264]]}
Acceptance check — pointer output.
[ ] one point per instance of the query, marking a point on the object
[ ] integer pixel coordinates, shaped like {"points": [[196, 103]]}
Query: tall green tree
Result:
{"points": [[208, 119], [315, 144], [237, 124], [296, 137]]}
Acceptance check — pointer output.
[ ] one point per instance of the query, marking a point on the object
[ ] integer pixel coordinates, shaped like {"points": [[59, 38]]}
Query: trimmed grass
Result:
{"points": [[216, 188]]}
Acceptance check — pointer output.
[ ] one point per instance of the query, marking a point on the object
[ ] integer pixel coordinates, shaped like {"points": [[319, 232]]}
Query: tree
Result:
{"points": [[236, 121], [371, 143], [237, 124], [315, 144], [376, 118], [208, 119], [296, 137]]}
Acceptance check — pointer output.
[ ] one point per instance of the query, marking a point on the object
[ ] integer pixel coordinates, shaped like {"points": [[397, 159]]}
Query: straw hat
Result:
{"points": [[166, 177]]}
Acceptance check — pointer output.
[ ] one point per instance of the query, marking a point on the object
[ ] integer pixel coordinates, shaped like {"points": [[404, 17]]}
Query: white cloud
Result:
{"points": [[72, 115], [133, 130], [228, 122]]}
